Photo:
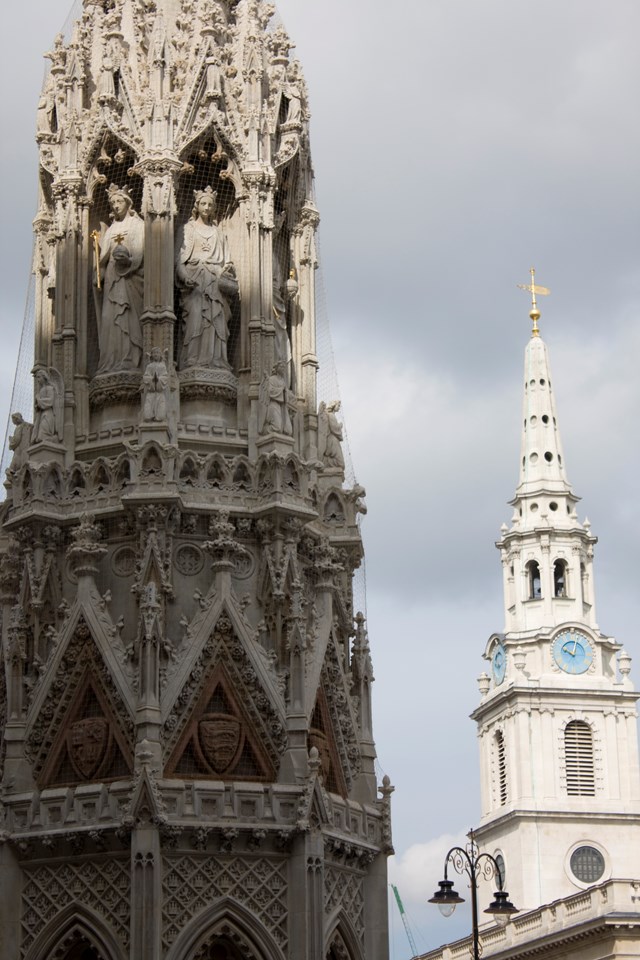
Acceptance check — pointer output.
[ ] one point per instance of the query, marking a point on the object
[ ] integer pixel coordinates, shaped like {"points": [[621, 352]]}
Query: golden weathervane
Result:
{"points": [[534, 289]]}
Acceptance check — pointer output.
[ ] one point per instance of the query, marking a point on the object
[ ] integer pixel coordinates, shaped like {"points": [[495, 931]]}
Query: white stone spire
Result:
{"points": [[547, 553], [560, 780], [542, 470]]}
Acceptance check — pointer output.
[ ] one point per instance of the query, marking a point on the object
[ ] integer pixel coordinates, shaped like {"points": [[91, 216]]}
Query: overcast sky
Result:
{"points": [[456, 143]]}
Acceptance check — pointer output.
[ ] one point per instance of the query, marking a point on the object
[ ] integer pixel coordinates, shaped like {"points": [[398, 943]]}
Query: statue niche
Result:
{"points": [[119, 295], [206, 281]]}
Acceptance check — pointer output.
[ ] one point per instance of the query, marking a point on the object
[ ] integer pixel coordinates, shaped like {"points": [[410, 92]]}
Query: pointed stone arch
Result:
{"points": [[342, 941], [189, 471], [152, 460], [230, 922], [291, 476], [77, 483], [334, 509], [102, 168], [122, 472], [75, 927], [52, 484], [27, 487], [217, 472], [100, 477], [243, 474]]}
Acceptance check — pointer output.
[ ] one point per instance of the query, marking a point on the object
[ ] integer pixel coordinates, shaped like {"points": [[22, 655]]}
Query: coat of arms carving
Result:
{"points": [[220, 740], [87, 743]]}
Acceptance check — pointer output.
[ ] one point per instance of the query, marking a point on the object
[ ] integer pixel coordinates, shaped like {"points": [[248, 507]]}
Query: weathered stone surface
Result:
{"points": [[186, 706]]}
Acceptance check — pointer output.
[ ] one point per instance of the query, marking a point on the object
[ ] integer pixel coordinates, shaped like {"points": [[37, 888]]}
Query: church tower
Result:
{"points": [[560, 779], [186, 748]]}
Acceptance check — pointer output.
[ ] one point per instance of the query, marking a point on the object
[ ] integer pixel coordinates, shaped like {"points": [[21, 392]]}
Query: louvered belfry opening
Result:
{"points": [[501, 763], [578, 751]]}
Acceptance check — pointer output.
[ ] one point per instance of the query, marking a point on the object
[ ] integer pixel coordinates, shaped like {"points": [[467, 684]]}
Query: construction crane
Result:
{"points": [[405, 921]]}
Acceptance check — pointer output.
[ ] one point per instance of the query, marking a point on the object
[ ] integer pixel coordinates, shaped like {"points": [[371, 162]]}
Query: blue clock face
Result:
{"points": [[499, 663], [572, 651]]}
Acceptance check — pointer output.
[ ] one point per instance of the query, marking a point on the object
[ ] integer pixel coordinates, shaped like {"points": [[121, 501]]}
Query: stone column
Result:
{"points": [[158, 210], [146, 893], [303, 327]]}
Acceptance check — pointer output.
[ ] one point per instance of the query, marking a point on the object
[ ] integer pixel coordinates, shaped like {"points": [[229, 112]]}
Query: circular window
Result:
{"points": [[587, 864]]}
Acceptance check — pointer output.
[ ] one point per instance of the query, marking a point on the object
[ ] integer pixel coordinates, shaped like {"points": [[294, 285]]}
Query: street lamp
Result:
{"points": [[475, 864]]}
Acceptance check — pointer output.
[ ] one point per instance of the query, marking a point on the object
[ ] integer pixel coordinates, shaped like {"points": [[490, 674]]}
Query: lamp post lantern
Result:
{"points": [[469, 860]]}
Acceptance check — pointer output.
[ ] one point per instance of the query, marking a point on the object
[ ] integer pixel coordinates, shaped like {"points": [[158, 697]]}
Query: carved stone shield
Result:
{"points": [[87, 743], [221, 739]]}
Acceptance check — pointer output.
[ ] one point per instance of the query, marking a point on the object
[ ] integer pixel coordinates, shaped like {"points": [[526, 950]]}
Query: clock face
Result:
{"points": [[572, 651], [499, 662]]}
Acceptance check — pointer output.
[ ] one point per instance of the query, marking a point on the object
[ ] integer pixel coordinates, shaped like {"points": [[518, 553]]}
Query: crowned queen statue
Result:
{"points": [[119, 298], [206, 278]]}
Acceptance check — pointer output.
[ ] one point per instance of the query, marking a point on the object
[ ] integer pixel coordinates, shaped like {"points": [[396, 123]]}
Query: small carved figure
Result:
{"points": [[280, 296], [213, 78], [106, 81], [18, 443], [46, 116], [119, 303], [155, 383], [49, 400], [293, 94], [205, 274], [58, 55], [274, 416], [330, 435]]}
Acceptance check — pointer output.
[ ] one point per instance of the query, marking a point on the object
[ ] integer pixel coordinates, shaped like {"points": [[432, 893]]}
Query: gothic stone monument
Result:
{"points": [[187, 754]]}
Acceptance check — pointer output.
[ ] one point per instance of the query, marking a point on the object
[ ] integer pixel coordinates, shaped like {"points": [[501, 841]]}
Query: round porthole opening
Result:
{"points": [[587, 864]]}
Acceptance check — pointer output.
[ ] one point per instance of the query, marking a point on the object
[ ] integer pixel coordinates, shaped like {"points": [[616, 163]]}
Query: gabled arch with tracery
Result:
{"points": [[76, 933]]}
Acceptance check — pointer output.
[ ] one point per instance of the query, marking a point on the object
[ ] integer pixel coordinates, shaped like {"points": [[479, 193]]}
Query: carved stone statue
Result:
{"points": [[274, 416], [119, 302], [205, 274], [282, 344], [155, 384], [293, 94], [213, 77], [106, 82], [48, 403], [18, 443], [45, 118], [330, 435]]}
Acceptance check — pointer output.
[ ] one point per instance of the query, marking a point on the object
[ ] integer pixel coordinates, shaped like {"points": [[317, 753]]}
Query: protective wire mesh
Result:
{"points": [[22, 392], [203, 169]]}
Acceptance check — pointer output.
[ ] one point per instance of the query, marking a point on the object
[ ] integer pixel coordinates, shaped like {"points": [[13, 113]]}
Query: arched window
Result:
{"points": [[500, 768], [560, 579], [578, 756], [534, 581]]}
